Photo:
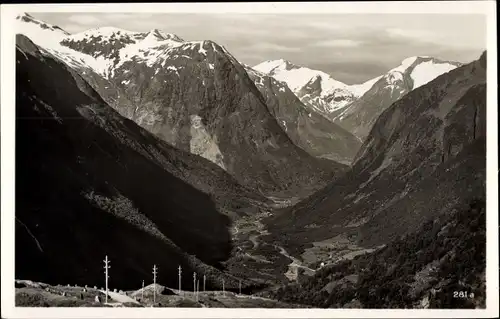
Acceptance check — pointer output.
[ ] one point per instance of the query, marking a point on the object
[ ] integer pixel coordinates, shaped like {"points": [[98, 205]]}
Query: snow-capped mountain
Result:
{"points": [[192, 94], [102, 49], [337, 100], [314, 88], [359, 116], [118, 46], [310, 130]]}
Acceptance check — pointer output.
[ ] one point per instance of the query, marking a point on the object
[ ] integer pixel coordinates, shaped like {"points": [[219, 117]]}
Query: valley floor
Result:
{"points": [[267, 262]]}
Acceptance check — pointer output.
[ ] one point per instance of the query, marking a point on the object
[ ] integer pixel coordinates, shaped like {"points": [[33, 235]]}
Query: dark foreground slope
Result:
{"points": [[424, 156], [421, 270], [90, 183]]}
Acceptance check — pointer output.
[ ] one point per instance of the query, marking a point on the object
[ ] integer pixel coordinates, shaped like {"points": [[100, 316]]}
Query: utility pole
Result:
{"points": [[194, 282], [223, 289], [154, 283], [204, 280], [180, 271], [197, 290], [142, 294], [240, 286], [106, 267]]}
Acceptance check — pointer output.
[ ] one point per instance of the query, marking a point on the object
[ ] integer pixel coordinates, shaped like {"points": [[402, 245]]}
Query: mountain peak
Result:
{"points": [[160, 35], [107, 30], [269, 65], [283, 62], [24, 15], [34, 28], [415, 60], [409, 61]]}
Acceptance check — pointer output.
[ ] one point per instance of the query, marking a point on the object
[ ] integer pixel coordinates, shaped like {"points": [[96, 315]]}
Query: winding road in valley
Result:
{"points": [[244, 230]]}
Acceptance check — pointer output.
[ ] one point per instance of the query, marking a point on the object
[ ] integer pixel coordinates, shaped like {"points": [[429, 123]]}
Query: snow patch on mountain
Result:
{"points": [[428, 71], [202, 50], [422, 70], [360, 89], [315, 88], [49, 38], [284, 125], [405, 64], [153, 47], [296, 77], [173, 68], [267, 66], [106, 33]]}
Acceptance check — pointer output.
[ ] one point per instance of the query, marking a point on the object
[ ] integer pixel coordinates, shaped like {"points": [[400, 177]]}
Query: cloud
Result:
{"points": [[124, 16], [324, 25], [266, 46], [329, 42], [339, 43], [410, 33], [72, 28], [84, 19]]}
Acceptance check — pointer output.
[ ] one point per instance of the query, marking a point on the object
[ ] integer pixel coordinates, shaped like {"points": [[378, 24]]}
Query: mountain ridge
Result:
{"points": [[309, 130], [419, 146], [155, 87], [356, 107]]}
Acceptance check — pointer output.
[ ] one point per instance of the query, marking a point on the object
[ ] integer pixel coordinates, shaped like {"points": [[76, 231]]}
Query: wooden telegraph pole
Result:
{"points": [[194, 282], [223, 289], [142, 293], [106, 268], [154, 283], [180, 271], [197, 290], [204, 281]]}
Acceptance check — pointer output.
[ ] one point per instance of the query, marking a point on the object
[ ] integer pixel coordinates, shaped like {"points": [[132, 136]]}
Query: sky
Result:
{"points": [[353, 48]]}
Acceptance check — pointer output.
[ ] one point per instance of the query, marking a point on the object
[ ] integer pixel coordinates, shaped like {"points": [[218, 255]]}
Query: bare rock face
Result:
{"points": [[198, 98], [188, 94], [308, 129], [424, 156]]}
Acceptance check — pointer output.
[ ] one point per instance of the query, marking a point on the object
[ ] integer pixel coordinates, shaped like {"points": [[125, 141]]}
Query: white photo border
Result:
{"points": [[8, 14]]}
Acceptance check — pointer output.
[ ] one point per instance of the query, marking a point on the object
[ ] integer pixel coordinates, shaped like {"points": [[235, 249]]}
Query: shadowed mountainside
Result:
{"points": [[91, 183]]}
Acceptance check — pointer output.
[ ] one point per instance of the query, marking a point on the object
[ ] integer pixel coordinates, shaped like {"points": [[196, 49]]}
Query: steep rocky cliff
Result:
{"points": [[308, 129]]}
